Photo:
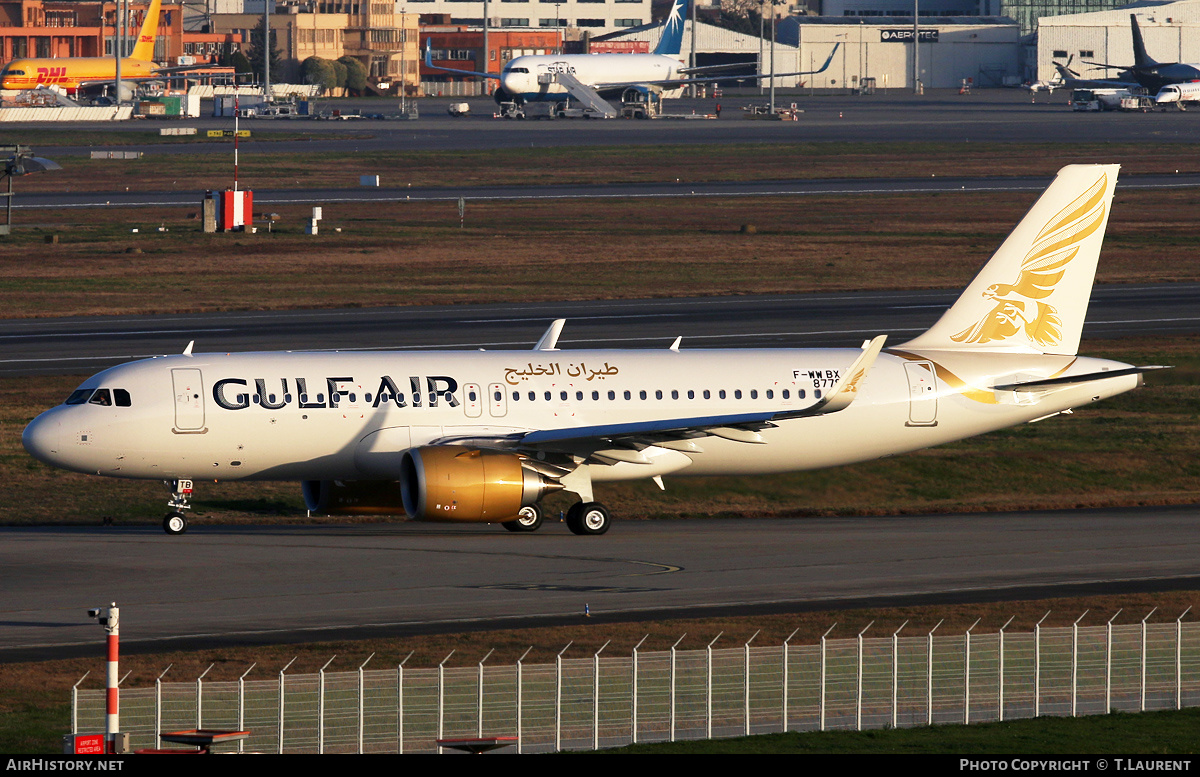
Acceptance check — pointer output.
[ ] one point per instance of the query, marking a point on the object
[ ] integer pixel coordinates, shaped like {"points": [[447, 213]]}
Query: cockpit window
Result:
{"points": [[79, 396], [517, 70], [101, 397], [121, 396]]}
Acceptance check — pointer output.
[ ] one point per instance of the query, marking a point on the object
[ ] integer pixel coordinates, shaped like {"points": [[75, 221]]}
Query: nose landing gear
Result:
{"points": [[175, 522]]}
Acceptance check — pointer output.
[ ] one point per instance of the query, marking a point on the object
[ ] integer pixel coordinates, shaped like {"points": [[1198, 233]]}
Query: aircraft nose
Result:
{"points": [[41, 437]]}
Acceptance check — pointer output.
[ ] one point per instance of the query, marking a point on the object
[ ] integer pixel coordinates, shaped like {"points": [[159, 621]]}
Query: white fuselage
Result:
{"points": [[320, 416], [520, 77], [1178, 93]]}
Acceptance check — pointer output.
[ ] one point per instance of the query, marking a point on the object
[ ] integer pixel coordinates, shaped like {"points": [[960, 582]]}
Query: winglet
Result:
{"points": [[846, 389], [550, 338], [188, 351], [429, 52]]}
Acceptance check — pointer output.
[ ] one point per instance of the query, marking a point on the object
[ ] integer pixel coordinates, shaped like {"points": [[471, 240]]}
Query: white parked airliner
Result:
{"points": [[483, 436]]}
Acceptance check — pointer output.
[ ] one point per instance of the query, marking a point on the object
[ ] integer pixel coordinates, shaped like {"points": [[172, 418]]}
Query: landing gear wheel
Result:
{"points": [[175, 523], [588, 518], [528, 519]]}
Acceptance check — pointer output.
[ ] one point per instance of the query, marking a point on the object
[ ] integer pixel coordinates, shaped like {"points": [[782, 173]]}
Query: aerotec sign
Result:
{"points": [[906, 36]]}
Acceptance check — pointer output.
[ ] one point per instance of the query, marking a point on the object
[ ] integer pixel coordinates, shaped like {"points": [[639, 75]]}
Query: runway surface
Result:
{"points": [[219, 585], [77, 345], [939, 116], [777, 188]]}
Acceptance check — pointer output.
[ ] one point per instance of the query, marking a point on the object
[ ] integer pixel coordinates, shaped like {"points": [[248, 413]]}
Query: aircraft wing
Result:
{"points": [[739, 427], [709, 79]]}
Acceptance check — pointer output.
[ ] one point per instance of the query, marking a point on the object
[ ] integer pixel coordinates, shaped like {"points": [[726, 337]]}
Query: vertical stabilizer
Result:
{"points": [[144, 48], [1032, 295], [1140, 58], [672, 31]]}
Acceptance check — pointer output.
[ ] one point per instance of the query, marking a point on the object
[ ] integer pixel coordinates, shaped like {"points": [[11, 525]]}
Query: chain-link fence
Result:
{"points": [[653, 696]]}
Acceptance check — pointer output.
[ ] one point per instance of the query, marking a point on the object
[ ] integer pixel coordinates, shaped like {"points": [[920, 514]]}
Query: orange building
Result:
{"points": [[461, 48]]}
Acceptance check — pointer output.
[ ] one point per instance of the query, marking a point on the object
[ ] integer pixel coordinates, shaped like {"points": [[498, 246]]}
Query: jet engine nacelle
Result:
{"points": [[452, 483], [353, 497]]}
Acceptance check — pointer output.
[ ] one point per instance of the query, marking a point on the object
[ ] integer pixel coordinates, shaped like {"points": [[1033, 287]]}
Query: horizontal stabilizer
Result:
{"points": [[1075, 380]]}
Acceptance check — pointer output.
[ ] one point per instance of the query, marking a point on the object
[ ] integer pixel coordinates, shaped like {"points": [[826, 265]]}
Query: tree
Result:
{"points": [[341, 74], [356, 74], [256, 55], [319, 71]]}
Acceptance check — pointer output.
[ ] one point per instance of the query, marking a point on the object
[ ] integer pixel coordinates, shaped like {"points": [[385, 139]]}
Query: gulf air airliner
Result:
{"points": [[484, 436], [75, 73]]}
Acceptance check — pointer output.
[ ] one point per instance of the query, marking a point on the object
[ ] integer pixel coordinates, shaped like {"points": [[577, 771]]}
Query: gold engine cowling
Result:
{"points": [[353, 497], [452, 483]]}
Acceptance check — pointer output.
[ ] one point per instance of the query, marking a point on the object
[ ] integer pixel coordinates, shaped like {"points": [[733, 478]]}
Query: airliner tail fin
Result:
{"points": [[144, 48], [1032, 295]]}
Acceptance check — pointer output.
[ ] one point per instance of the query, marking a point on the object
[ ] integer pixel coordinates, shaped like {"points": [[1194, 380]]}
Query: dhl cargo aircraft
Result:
{"points": [[484, 436], [75, 73]]}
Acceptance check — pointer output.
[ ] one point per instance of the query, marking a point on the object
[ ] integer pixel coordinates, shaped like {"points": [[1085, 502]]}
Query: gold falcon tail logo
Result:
{"points": [[1018, 304]]}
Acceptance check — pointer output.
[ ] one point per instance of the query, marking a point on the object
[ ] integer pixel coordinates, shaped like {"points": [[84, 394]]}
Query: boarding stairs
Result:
{"points": [[588, 97]]}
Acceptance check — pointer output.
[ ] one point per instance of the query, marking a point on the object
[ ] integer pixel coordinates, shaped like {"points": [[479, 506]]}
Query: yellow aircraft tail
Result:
{"points": [[144, 48]]}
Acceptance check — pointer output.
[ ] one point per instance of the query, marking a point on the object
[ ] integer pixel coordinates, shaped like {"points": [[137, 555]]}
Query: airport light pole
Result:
{"points": [[20, 161], [916, 49]]}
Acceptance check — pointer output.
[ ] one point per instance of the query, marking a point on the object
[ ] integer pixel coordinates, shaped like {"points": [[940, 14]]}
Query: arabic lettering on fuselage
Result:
{"points": [[514, 375]]}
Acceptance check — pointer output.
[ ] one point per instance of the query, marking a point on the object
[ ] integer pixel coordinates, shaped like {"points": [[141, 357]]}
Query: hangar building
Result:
{"points": [[1171, 31]]}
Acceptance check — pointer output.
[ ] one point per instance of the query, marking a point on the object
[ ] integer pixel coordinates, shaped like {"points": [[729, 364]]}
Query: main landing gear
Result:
{"points": [[588, 518], [582, 518], [528, 519], [175, 522]]}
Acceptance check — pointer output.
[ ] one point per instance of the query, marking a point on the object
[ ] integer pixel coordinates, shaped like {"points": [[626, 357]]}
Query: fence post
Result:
{"points": [[321, 707], [1000, 680], [967, 674], [785, 681], [241, 704], [671, 688], [1142, 705], [282, 697], [75, 702], [708, 687], [558, 697], [200, 697], [896, 674], [1037, 666], [821, 700], [400, 703], [929, 676], [746, 683], [1108, 664], [858, 701], [596, 697], [521, 698], [1075, 663], [479, 696], [361, 703], [158, 705], [441, 703], [1179, 659], [634, 711]]}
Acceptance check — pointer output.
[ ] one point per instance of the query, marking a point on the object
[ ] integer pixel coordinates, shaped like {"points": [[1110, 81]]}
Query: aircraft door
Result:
{"points": [[497, 400], [472, 400], [189, 400], [922, 393]]}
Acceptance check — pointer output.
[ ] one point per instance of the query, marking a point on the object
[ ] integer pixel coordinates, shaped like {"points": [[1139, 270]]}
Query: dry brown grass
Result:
{"points": [[410, 253]]}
